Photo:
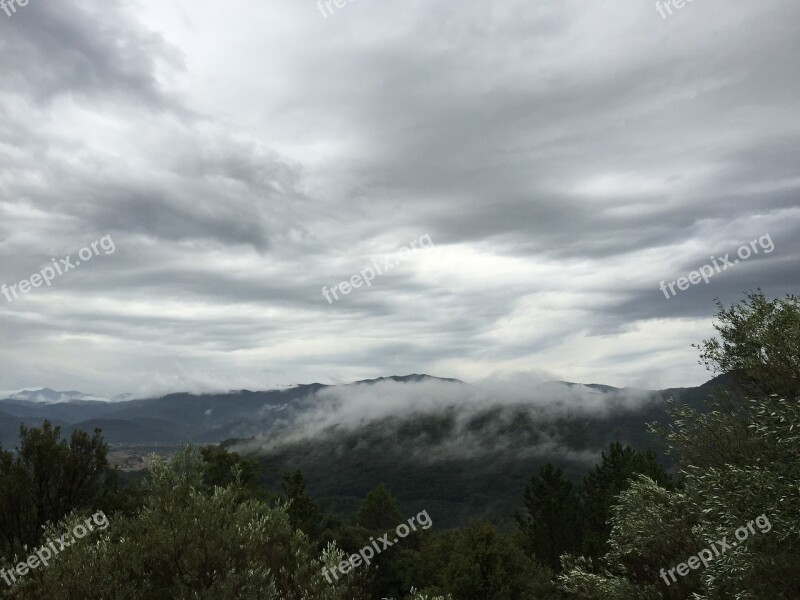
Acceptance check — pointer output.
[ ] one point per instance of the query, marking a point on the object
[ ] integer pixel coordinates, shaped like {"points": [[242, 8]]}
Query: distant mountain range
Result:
{"points": [[48, 396], [213, 418], [440, 444]]}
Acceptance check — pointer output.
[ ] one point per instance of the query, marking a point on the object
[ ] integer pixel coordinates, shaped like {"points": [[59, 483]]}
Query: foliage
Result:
{"points": [[740, 463], [224, 468], [187, 542], [551, 521], [303, 512], [379, 511], [419, 595], [479, 563], [47, 478], [759, 345], [602, 486]]}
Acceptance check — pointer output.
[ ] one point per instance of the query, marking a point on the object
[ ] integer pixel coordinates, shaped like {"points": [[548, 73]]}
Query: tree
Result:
{"points": [[18, 525], [224, 468], [759, 345], [655, 529], [479, 563], [740, 466], [303, 511], [378, 512], [188, 542], [602, 486], [48, 478], [758, 349], [551, 521]]}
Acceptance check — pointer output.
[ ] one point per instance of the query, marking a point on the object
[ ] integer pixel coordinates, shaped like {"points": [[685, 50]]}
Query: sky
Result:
{"points": [[551, 162]]}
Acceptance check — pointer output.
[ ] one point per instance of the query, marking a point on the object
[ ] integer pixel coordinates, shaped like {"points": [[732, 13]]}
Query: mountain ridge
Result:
{"points": [[184, 417]]}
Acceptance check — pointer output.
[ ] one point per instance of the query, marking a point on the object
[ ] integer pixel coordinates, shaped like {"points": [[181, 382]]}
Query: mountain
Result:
{"points": [[440, 444], [213, 418], [466, 462], [406, 379], [48, 396], [171, 419]]}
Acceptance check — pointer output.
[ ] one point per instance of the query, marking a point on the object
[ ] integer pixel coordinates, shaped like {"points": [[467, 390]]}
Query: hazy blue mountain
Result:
{"points": [[48, 396], [242, 414], [437, 445]]}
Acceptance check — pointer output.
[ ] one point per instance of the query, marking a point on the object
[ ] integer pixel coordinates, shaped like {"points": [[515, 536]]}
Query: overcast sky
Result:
{"points": [[565, 157]]}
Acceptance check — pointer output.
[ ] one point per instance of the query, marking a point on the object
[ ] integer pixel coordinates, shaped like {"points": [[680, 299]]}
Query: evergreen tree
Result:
{"points": [[551, 519], [379, 511], [303, 511], [602, 486], [47, 478]]}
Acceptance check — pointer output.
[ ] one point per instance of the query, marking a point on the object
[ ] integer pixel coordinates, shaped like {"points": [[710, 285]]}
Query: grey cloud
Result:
{"points": [[84, 48], [566, 158]]}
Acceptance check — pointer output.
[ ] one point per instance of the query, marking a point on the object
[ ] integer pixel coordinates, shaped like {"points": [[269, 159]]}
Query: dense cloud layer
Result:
{"points": [[564, 157]]}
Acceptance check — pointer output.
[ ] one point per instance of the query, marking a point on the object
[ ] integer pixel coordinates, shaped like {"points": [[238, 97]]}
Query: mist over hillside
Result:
{"points": [[464, 449], [273, 418]]}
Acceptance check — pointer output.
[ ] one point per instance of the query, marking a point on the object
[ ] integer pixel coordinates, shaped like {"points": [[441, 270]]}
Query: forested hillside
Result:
{"points": [[466, 464]]}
